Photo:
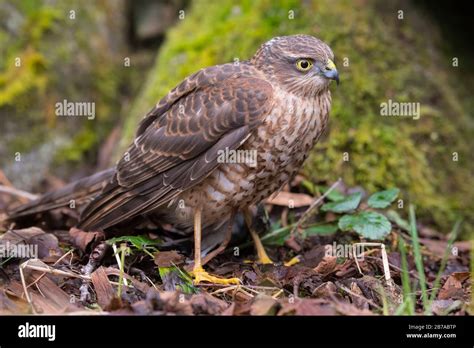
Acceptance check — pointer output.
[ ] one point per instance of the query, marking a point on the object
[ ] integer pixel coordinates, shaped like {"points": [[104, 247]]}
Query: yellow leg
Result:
{"points": [[262, 254], [200, 275]]}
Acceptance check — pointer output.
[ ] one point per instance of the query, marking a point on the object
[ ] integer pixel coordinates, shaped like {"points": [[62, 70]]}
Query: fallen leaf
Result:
{"points": [[84, 240], [304, 306], [263, 305], [290, 199], [453, 287], [204, 303], [12, 304], [168, 302], [358, 298], [103, 288], [325, 290], [444, 307], [327, 265], [350, 309], [168, 258], [438, 247], [40, 244]]}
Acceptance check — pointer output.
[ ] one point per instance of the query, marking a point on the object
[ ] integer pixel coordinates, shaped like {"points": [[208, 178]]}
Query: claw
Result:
{"points": [[200, 275]]}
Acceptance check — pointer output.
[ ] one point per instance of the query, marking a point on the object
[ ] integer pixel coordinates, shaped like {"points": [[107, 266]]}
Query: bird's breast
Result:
{"points": [[267, 161]]}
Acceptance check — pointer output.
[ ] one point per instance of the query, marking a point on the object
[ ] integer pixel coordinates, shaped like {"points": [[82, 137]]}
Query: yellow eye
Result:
{"points": [[304, 64]]}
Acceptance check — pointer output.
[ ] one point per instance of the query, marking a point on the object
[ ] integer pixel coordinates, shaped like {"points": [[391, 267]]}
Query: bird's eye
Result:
{"points": [[303, 64]]}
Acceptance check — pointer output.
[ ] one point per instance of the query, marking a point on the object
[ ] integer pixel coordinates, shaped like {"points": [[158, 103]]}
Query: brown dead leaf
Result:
{"points": [[438, 247], [347, 269], [203, 303], [47, 297], [167, 302], [290, 199], [173, 302], [346, 308], [168, 258], [230, 310], [143, 287], [327, 265], [46, 243], [263, 305], [12, 304], [358, 298], [103, 288], [443, 307], [453, 287], [325, 290], [84, 240], [313, 257], [304, 306]]}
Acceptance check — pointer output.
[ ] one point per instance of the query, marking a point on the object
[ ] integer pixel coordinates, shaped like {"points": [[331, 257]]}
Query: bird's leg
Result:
{"points": [[262, 254], [95, 260], [199, 273], [223, 245]]}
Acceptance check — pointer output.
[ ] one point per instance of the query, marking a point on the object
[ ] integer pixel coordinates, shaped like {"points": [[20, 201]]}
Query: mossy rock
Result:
{"points": [[379, 57], [49, 55]]}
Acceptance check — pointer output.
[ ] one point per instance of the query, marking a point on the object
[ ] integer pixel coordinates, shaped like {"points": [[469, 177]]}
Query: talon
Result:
{"points": [[264, 259], [292, 262], [200, 275], [262, 254]]}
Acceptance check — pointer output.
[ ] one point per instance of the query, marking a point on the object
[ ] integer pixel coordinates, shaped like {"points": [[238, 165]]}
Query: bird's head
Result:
{"points": [[301, 64]]}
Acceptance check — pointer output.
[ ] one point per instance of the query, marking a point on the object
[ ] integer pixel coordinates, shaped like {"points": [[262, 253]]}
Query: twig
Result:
{"points": [[386, 268], [25, 290], [369, 301], [394, 267], [278, 293], [44, 273], [313, 207], [58, 272]]}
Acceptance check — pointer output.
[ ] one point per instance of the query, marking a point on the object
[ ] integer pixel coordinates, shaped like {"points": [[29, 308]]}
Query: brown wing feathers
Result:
{"points": [[214, 109], [81, 191]]}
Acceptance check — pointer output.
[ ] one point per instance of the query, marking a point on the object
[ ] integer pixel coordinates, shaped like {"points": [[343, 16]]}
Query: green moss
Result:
{"points": [[17, 81], [387, 59], [61, 59]]}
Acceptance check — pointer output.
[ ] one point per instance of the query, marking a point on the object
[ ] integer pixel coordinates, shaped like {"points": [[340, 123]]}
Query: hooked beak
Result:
{"points": [[330, 71]]}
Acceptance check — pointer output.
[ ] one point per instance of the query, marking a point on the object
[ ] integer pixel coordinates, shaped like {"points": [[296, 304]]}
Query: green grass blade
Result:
{"points": [[454, 234], [418, 257], [406, 286]]}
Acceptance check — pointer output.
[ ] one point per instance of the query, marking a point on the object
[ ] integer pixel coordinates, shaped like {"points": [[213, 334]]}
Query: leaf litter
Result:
{"points": [[308, 277]]}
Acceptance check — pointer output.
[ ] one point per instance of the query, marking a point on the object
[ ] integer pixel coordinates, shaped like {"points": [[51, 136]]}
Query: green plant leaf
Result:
{"points": [[383, 199], [393, 216], [322, 230], [333, 196], [368, 224], [177, 279], [277, 236], [349, 203], [308, 185], [141, 242]]}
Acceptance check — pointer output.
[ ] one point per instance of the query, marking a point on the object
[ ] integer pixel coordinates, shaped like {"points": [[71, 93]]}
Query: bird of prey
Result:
{"points": [[275, 106]]}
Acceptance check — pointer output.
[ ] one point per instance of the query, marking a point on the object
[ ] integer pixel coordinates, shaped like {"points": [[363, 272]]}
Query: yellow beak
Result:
{"points": [[330, 71]]}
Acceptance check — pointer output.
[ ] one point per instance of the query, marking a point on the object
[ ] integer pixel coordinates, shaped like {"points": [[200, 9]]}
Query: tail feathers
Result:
{"points": [[81, 192]]}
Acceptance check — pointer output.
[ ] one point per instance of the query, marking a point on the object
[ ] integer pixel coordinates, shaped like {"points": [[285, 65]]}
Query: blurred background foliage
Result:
{"points": [[379, 57]]}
